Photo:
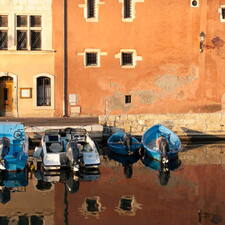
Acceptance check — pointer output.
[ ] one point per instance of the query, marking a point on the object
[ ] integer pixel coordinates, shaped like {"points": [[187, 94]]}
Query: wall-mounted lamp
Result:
{"points": [[202, 41]]}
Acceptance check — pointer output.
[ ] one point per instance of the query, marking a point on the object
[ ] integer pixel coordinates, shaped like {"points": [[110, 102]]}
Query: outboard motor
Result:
{"points": [[72, 153], [164, 148], [128, 142]]}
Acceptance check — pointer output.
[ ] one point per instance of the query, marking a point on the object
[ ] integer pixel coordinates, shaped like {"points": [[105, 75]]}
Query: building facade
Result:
{"points": [[26, 59], [98, 57], [138, 56]]}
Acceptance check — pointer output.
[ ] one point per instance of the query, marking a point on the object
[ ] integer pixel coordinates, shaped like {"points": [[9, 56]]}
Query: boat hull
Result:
{"points": [[116, 144], [149, 142]]}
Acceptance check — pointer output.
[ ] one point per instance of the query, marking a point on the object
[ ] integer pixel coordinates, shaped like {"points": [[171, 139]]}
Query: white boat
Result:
{"points": [[87, 148], [57, 151]]}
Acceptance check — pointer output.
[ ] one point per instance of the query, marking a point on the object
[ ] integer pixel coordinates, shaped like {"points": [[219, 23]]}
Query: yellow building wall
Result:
{"points": [[26, 66]]}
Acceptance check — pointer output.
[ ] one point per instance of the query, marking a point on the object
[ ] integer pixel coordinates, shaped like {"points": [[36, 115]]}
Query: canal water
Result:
{"points": [[126, 191]]}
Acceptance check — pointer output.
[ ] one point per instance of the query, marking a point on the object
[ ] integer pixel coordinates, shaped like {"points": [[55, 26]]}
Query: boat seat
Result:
{"points": [[56, 147]]}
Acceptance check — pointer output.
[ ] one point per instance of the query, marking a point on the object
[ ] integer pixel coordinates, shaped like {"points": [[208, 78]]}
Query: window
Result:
{"points": [[43, 91], [222, 12], [91, 59], [91, 8], [28, 32], [3, 32], [127, 99], [127, 9], [127, 58]]}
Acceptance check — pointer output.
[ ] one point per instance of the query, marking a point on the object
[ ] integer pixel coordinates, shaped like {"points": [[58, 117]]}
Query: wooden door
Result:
{"points": [[6, 99]]}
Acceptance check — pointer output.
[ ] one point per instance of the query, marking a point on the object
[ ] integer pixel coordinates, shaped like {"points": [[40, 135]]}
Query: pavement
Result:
{"points": [[36, 126]]}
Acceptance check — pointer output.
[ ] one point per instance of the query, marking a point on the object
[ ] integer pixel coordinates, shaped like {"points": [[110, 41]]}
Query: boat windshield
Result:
{"points": [[87, 148]]}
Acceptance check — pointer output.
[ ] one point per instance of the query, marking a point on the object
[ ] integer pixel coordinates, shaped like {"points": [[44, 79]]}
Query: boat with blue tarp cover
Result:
{"points": [[123, 143], [13, 146], [160, 142]]}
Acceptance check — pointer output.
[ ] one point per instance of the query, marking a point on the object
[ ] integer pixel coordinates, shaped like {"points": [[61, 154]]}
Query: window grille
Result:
{"points": [[223, 13], [21, 21], [127, 9], [35, 21], [91, 58], [29, 32], [43, 91], [91, 8], [127, 58], [21, 40], [3, 40], [35, 40], [3, 21]]}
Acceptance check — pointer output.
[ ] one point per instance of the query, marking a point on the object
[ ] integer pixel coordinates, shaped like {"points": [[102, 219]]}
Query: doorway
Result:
{"points": [[6, 96]]}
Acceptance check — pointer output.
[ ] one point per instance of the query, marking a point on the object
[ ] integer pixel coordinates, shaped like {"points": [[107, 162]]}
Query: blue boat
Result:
{"points": [[160, 142], [13, 146], [123, 144]]}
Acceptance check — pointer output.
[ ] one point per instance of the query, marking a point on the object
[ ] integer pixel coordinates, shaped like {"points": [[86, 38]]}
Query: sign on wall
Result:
{"points": [[73, 99], [25, 92]]}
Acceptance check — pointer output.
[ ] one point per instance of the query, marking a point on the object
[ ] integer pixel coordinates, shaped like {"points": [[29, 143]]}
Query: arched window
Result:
{"points": [[43, 91]]}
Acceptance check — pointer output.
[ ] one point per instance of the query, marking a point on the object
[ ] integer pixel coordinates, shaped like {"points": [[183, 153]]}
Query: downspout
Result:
{"points": [[65, 60]]}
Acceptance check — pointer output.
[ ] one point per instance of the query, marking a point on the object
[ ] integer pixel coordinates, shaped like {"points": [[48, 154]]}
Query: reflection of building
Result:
{"points": [[92, 207], [23, 219], [128, 206], [28, 207]]}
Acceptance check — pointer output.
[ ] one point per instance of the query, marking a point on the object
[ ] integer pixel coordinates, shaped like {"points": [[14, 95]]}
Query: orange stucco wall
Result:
{"points": [[173, 76], [57, 15]]}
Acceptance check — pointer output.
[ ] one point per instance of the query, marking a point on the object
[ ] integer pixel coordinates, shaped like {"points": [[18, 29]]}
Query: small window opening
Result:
{"points": [[127, 99], [127, 58], [223, 13], [91, 8], [127, 9], [91, 58]]}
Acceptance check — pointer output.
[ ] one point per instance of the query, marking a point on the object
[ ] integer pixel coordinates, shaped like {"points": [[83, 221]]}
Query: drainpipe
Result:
{"points": [[65, 61]]}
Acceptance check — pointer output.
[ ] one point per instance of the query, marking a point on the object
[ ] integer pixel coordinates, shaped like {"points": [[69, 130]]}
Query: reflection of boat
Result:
{"points": [[89, 174], [127, 162], [160, 142], [163, 168], [57, 151], [122, 143], [13, 146], [12, 182], [45, 180]]}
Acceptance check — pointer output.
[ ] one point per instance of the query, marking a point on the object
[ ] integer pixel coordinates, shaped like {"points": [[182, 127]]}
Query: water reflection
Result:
{"points": [[12, 182], [189, 194], [163, 168], [128, 206], [126, 161]]}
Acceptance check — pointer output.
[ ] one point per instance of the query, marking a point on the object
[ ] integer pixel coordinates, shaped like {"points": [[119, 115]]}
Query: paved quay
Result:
{"points": [[36, 126]]}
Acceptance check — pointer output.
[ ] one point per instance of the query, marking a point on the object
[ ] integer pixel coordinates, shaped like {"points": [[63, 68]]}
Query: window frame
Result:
{"points": [[28, 29], [131, 51], [222, 7], [52, 83], [97, 51]]}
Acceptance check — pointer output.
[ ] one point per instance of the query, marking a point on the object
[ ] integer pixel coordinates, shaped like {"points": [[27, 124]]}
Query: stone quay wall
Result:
{"points": [[182, 124]]}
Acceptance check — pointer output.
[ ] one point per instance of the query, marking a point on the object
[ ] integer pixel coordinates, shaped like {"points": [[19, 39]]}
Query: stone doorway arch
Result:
{"points": [[8, 94]]}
